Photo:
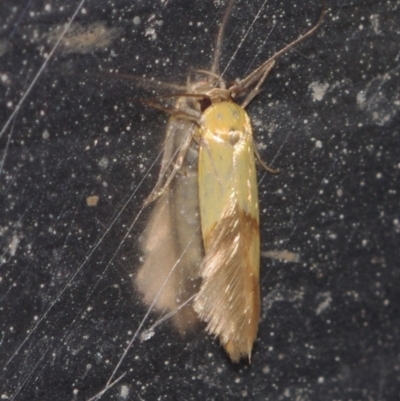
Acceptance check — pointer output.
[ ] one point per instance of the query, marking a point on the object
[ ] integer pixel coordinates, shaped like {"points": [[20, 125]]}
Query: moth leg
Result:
{"points": [[255, 91], [262, 164], [209, 73], [174, 112], [159, 189]]}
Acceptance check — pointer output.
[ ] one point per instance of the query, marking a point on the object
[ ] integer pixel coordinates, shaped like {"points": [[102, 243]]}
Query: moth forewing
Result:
{"points": [[229, 299], [171, 242]]}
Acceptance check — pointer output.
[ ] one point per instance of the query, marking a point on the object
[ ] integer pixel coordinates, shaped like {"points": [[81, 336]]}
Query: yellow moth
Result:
{"points": [[220, 269]]}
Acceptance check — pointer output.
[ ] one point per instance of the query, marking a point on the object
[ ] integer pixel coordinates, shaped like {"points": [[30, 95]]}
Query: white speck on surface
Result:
{"points": [[360, 98], [46, 134], [104, 162], [151, 32], [124, 391], [318, 144], [146, 335], [318, 90], [325, 300], [13, 246], [375, 23], [379, 104]]}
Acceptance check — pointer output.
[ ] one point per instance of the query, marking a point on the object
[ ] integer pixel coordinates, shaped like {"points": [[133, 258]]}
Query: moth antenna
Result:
{"points": [[259, 72], [139, 81], [220, 38]]}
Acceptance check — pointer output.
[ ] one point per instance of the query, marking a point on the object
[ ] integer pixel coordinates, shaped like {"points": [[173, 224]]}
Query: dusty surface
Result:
{"points": [[328, 117]]}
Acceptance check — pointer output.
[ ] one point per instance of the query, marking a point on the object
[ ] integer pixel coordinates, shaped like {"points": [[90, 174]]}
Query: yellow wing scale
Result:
{"points": [[229, 299]]}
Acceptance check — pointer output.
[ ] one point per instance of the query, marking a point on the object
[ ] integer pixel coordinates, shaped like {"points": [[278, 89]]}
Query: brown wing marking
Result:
{"points": [[229, 297]]}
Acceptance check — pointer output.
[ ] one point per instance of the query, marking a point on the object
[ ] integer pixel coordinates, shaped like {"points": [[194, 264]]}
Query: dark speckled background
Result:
{"points": [[328, 117]]}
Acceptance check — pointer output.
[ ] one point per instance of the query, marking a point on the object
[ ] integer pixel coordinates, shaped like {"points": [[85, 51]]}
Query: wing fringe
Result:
{"points": [[229, 297]]}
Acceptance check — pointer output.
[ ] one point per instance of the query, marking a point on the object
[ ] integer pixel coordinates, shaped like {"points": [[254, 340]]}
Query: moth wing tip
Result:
{"points": [[236, 353]]}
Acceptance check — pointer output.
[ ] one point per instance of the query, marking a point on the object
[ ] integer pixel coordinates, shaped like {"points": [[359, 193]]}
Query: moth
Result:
{"points": [[202, 242]]}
